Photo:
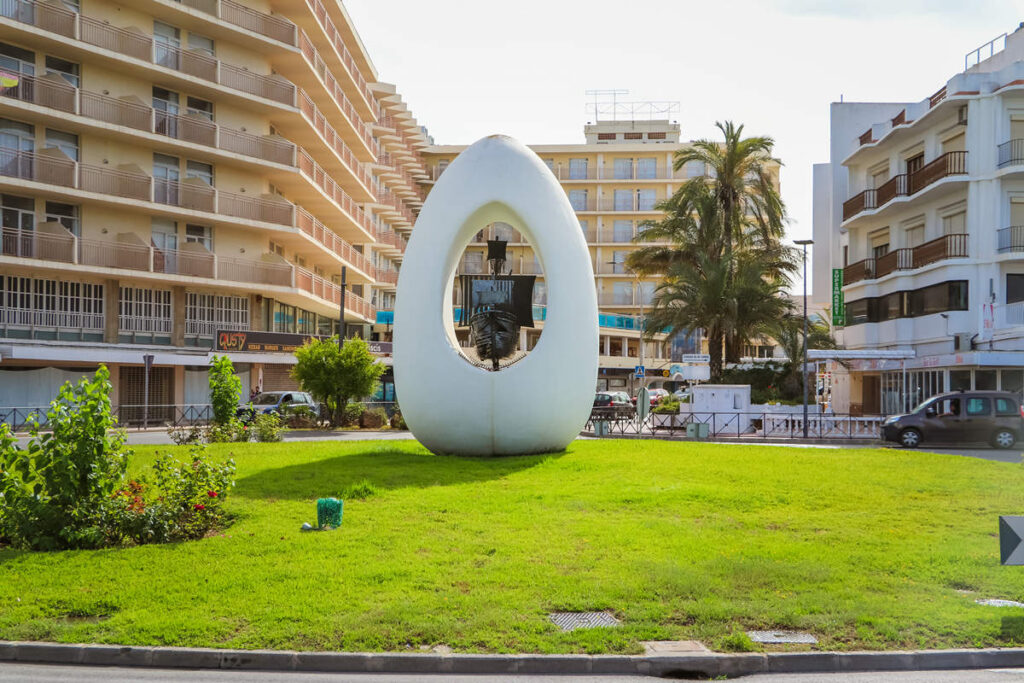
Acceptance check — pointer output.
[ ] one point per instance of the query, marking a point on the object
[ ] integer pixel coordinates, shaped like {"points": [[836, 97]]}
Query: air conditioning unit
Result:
{"points": [[962, 341], [961, 115]]}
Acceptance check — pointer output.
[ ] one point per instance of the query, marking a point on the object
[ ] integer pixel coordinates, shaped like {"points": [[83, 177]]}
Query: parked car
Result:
{"points": [[280, 402], [655, 396], [994, 417], [613, 405]]}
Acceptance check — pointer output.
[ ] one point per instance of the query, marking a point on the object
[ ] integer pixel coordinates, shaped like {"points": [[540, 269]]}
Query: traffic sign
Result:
{"points": [[695, 358], [1011, 535], [640, 371]]}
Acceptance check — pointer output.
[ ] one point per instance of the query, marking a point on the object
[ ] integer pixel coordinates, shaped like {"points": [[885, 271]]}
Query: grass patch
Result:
{"points": [[864, 548]]}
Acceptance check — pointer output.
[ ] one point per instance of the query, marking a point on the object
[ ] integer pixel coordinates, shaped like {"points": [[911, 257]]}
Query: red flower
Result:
{"points": [[200, 507], [211, 494]]}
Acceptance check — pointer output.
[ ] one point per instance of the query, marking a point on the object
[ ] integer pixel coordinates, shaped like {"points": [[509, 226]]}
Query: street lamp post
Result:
{"points": [[803, 364], [341, 320]]}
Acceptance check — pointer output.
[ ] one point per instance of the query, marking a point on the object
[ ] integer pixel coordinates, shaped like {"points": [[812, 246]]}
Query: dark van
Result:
{"points": [[993, 417]]}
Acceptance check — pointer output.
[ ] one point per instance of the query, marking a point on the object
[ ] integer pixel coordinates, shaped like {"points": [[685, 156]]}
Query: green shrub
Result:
{"points": [[231, 431], [737, 641], [360, 491], [183, 436], [225, 389], [268, 427], [398, 422], [667, 405], [353, 411], [302, 417], [52, 494], [375, 418], [174, 501], [335, 375]]}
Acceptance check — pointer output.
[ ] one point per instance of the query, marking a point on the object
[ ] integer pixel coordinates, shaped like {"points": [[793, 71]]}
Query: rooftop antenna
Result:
{"points": [[608, 107]]}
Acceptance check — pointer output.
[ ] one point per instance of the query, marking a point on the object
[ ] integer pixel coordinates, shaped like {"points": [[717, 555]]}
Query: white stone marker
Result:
{"points": [[540, 403]]}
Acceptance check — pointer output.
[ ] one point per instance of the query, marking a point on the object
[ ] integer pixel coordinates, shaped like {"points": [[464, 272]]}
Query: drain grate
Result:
{"points": [[782, 637], [570, 621], [1000, 603]]}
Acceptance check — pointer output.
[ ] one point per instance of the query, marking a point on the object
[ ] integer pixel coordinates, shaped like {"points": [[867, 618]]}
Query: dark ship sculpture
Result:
{"points": [[495, 307]]}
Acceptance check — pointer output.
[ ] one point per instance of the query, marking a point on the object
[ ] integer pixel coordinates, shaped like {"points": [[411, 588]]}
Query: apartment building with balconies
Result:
{"points": [[915, 236], [614, 181], [172, 170]]}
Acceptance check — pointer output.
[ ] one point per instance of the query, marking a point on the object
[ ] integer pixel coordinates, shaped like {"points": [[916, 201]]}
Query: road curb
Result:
{"points": [[709, 665]]}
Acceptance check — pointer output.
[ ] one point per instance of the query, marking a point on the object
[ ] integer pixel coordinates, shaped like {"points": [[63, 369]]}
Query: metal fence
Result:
{"points": [[19, 418], [743, 425]]}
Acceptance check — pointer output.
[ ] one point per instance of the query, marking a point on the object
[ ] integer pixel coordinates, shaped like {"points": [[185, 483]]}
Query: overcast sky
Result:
{"points": [[470, 68]]}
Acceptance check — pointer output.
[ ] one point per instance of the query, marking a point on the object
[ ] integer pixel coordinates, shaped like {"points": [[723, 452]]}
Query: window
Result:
{"points": [[879, 243], [1014, 288], [1005, 407], [606, 136], [623, 200], [197, 169], [550, 163], [959, 380], [584, 226], [619, 261], [165, 112], [62, 67], [985, 380], [955, 224], [915, 163], [878, 177], [632, 136], [17, 213], [199, 234], [65, 142], [947, 408], [146, 311], [578, 199], [646, 168], [915, 236], [201, 44], [504, 231], [846, 255], [473, 262], [166, 174], [276, 248], [694, 169], [207, 313], [164, 234], [655, 136], [622, 293], [200, 107], [978, 406], [577, 169], [622, 231], [166, 45], [15, 58], [945, 296], [646, 199], [66, 215], [33, 302], [623, 169]]}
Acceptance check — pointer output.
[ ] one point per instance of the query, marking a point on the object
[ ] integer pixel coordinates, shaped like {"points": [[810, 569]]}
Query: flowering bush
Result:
{"points": [[268, 427], [232, 430], [177, 501]]}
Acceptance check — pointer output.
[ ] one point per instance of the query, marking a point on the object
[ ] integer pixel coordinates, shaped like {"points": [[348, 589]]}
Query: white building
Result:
{"points": [[921, 208]]}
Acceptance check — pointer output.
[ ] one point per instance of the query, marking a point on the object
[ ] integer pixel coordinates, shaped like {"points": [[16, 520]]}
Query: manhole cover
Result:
{"points": [[570, 621], [1000, 603], [782, 637]]}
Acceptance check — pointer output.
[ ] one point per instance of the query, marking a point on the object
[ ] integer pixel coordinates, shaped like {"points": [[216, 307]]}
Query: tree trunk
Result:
{"points": [[732, 349], [715, 353]]}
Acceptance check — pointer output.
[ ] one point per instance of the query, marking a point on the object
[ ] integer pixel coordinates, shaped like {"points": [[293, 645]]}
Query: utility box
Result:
{"points": [[697, 430], [600, 428], [724, 407]]}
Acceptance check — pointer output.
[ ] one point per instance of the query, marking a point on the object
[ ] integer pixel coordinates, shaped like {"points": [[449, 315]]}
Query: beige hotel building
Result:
{"points": [[184, 178]]}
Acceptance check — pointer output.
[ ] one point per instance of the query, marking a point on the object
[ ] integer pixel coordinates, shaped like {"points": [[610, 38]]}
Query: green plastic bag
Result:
{"points": [[328, 513]]}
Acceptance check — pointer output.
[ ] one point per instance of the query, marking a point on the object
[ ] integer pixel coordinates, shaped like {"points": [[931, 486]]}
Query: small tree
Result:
{"points": [[225, 389], [333, 375]]}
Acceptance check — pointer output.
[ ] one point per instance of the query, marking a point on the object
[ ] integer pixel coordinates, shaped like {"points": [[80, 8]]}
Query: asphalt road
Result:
{"points": [[40, 673]]}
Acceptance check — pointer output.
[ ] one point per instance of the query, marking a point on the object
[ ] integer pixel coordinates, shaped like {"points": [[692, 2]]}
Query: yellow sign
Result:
{"points": [[665, 373]]}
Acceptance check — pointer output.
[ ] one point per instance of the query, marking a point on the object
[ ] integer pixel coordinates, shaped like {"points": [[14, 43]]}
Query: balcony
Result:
{"points": [[945, 247], [334, 37], [129, 252], [390, 238], [1011, 239], [327, 238], [131, 43], [905, 185], [1011, 153], [861, 270], [268, 25]]}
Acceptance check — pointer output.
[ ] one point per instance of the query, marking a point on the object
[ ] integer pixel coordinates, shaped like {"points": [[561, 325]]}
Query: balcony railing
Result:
{"points": [[320, 12], [868, 199], [903, 185], [392, 238], [949, 164], [70, 24], [323, 288], [38, 245], [861, 270], [947, 246], [1011, 153], [308, 224], [1013, 314], [897, 259], [1011, 238], [892, 188], [264, 24]]}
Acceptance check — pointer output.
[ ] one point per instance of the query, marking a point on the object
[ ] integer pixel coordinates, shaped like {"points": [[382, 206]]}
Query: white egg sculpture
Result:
{"points": [[540, 403]]}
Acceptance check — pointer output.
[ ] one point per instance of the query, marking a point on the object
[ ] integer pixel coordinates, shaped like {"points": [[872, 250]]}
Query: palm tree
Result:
{"points": [[740, 175], [725, 266], [701, 289], [788, 332]]}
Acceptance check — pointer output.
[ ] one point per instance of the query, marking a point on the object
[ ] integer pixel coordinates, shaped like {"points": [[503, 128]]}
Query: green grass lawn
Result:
{"points": [[864, 548]]}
